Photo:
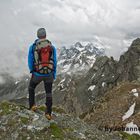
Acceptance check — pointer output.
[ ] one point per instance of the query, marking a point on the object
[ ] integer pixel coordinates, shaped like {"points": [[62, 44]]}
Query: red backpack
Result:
{"points": [[43, 56]]}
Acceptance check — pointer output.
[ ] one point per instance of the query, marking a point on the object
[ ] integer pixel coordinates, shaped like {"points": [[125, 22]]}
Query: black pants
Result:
{"points": [[48, 81]]}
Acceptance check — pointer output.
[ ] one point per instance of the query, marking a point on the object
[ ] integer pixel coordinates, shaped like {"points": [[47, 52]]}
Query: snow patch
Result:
{"points": [[62, 81], [134, 91], [17, 82], [27, 79], [129, 112], [61, 61], [136, 94], [91, 87], [132, 128], [63, 89], [92, 57], [80, 49], [103, 84], [66, 68], [93, 76]]}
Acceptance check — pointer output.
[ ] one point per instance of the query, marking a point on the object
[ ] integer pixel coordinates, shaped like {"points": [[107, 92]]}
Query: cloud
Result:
{"points": [[115, 22]]}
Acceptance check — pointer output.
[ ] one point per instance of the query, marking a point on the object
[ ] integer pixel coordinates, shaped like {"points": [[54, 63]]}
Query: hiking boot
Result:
{"points": [[48, 116], [33, 108]]}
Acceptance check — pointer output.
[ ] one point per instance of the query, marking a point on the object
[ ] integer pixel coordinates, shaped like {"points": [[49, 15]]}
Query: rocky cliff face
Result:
{"points": [[107, 73], [116, 102], [128, 67], [77, 94], [16, 122], [83, 92]]}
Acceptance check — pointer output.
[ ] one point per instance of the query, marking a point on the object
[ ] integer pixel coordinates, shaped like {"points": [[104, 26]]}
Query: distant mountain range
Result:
{"points": [[78, 58]]}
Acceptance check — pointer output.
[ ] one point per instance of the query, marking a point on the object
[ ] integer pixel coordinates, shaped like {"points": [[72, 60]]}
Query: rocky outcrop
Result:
{"points": [[16, 122], [128, 67], [117, 108], [107, 73], [103, 74]]}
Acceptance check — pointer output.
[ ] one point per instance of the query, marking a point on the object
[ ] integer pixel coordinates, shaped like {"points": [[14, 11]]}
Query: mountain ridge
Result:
{"points": [[78, 58], [32, 125]]}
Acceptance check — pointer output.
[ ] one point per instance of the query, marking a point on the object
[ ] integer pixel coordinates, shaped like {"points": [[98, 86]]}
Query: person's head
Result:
{"points": [[41, 33]]}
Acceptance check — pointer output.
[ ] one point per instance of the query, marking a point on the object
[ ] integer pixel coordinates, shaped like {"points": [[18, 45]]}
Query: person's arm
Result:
{"points": [[31, 59], [55, 62]]}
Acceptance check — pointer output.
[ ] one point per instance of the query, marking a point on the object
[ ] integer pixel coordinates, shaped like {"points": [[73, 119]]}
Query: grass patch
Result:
{"points": [[58, 110], [24, 120], [6, 108], [127, 136], [56, 131], [42, 108]]}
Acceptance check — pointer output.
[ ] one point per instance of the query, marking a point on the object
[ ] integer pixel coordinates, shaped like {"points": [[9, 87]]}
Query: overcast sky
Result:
{"points": [[115, 22]]}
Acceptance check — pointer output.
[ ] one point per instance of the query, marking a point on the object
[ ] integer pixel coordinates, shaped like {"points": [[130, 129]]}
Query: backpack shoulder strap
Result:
{"points": [[49, 41]]}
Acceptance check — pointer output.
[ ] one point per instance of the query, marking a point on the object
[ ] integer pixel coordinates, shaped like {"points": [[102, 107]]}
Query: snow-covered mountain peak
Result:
{"points": [[78, 58], [79, 46]]}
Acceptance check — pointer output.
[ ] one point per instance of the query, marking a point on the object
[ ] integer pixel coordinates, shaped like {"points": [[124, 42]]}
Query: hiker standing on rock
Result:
{"points": [[42, 64]]}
